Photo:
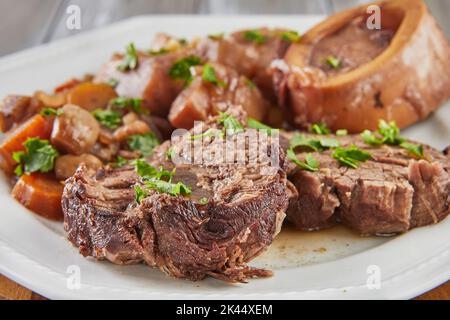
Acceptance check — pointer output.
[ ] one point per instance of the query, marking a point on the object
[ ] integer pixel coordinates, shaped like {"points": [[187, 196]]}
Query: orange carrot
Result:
{"points": [[41, 193], [37, 126]]}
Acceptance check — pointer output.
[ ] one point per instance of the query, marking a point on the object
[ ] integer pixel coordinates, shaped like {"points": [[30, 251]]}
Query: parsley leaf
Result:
{"points": [[144, 143], [320, 128], [39, 155], [390, 132], [341, 132], [319, 145], [209, 75], [108, 118], [254, 36], [230, 124], [371, 139], [255, 124], [250, 83], [333, 62], [112, 82], [140, 193], [310, 163], [130, 60], [120, 162], [173, 189], [291, 36], [203, 201], [47, 112], [208, 133], [181, 69], [217, 36], [351, 156], [414, 149], [158, 52], [134, 104]]}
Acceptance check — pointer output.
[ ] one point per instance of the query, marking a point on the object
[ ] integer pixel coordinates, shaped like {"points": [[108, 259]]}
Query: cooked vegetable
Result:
{"points": [[130, 60], [351, 156], [209, 75], [65, 166], [75, 131], [13, 109], [37, 126], [56, 100], [39, 155], [40, 193], [181, 69], [144, 143], [91, 96], [137, 127], [108, 118], [310, 163]]}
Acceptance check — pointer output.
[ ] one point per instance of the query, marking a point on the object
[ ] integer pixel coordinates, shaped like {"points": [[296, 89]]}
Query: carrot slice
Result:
{"points": [[37, 126], [41, 193]]}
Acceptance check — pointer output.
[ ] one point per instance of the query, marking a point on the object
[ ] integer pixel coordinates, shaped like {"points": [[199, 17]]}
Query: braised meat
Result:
{"points": [[234, 211], [388, 194]]}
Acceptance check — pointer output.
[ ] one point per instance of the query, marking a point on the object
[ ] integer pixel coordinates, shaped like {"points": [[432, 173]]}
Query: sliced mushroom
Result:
{"points": [[136, 127], [66, 165], [75, 131]]}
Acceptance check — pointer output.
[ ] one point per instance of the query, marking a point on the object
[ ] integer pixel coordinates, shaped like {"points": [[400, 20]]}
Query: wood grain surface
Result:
{"points": [[39, 21]]}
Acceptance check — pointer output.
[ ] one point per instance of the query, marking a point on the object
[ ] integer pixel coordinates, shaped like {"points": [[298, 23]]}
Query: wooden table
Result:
{"points": [[45, 22]]}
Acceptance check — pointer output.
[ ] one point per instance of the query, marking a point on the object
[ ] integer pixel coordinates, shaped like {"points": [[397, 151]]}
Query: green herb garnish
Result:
{"points": [[320, 128], [203, 201], [318, 145], [108, 118], [255, 124], [47, 112], [351, 156], [341, 132], [173, 189], [158, 52], [389, 133], [144, 143], [140, 193], [39, 155], [134, 104], [208, 133], [310, 163], [181, 69], [209, 75], [254, 36], [217, 36], [291, 36], [120, 162], [112, 82], [250, 83], [230, 124], [333, 62], [130, 60]]}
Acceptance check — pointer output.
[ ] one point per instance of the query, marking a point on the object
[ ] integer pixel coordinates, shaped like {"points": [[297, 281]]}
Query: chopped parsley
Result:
{"points": [[254, 36], [159, 180], [209, 75], [130, 60], [310, 163], [351, 156], [181, 69], [250, 83], [333, 62], [108, 118], [341, 132], [203, 201], [158, 52], [290, 35], [39, 155], [255, 124], [144, 143], [320, 128], [389, 133], [120, 162], [134, 104], [318, 145], [230, 124], [208, 133], [47, 112], [140, 193]]}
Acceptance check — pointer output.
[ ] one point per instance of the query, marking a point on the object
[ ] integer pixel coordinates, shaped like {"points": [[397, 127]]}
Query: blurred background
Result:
{"points": [[25, 24]]}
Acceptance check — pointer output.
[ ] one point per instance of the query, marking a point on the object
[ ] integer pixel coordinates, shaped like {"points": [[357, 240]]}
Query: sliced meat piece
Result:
{"points": [[13, 110], [150, 81], [182, 236], [389, 194], [251, 58], [202, 98]]}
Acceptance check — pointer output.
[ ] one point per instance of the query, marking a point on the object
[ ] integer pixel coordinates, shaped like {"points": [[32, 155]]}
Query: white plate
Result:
{"points": [[330, 264]]}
